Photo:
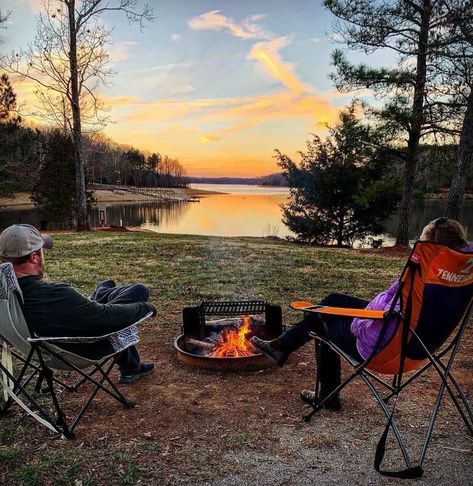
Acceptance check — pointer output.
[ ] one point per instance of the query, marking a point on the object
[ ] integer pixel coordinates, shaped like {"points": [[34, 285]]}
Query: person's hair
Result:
{"points": [[18, 260], [448, 232]]}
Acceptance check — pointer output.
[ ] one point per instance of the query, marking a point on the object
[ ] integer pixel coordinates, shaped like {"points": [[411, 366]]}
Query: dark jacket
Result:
{"points": [[56, 309]]}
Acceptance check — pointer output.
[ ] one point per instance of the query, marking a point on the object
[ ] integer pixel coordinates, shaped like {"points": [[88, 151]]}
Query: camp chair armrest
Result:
{"points": [[342, 311], [84, 339]]}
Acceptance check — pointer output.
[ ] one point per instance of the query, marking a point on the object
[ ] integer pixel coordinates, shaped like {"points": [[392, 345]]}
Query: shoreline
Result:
{"points": [[22, 200]]}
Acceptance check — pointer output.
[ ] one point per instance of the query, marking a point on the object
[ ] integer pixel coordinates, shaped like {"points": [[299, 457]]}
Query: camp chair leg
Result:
{"points": [[91, 397], [123, 399], [37, 368], [393, 424], [61, 420], [80, 382], [445, 373], [316, 406], [465, 402], [41, 413], [100, 386]]}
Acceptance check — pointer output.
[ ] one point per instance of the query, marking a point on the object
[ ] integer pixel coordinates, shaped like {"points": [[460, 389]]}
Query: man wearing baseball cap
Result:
{"points": [[56, 309]]}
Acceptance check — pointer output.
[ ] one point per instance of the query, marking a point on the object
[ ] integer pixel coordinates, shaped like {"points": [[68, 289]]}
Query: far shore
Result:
{"points": [[23, 199]]}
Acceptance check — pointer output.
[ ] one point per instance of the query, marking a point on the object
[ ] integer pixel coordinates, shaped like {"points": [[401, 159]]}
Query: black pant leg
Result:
{"points": [[107, 293]]}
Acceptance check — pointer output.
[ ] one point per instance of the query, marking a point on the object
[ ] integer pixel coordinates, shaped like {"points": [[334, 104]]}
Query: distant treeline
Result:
{"points": [[276, 179], [436, 167], [23, 150]]}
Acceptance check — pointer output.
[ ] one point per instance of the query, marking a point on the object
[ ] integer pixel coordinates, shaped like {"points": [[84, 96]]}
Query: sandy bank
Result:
{"points": [[22, 199]]}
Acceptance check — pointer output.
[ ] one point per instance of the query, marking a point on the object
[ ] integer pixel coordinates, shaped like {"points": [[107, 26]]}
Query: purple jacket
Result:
{"points": [[367, 331]]}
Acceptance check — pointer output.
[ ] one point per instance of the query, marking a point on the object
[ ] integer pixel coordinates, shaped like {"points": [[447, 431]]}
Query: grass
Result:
{"points": [[180, 270]]}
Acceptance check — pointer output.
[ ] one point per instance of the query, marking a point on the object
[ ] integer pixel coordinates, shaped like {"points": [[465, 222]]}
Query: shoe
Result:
{"points": [[269, 349], [145, 369], [334, 404]]}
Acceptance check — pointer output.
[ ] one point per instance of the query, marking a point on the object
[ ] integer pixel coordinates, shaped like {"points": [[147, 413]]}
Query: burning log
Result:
{"points": [[202, 344], [234, 342]]}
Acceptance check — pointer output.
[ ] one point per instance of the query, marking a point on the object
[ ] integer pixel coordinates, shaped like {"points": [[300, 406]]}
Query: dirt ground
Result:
{"points": [[193, 426], [198, 427]]}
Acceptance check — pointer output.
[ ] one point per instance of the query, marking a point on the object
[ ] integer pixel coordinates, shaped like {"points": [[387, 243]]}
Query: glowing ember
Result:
{"points": [[233, 343]]}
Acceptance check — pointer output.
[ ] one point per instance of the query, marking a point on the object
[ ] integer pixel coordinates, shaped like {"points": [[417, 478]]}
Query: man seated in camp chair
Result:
{"points": [[56, 309], [355, 336]]}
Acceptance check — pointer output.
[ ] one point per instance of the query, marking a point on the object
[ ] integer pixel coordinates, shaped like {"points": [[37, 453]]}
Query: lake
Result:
{"points": [[243, 210]]}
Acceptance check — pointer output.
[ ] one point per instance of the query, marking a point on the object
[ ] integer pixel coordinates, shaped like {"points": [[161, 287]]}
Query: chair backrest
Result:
{"points": [[13, 327], [436, 295]]}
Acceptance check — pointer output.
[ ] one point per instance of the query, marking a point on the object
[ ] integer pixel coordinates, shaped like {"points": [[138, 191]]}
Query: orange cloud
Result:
{"points": [[267, 54]]}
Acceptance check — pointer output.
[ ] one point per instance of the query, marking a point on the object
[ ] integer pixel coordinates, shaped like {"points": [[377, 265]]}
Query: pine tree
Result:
{"points": [[341, 190]]}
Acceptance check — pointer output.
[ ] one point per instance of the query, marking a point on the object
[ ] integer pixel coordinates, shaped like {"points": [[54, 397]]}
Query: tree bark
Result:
{"points": [[417, 120], [465, 155], [81, 196]]}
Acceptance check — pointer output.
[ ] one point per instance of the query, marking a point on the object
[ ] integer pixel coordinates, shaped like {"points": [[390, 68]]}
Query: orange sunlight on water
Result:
{"points": [[229, 215]]}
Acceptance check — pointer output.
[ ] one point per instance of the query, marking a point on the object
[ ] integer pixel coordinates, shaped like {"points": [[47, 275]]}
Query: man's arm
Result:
{"points": [[66, 312]]}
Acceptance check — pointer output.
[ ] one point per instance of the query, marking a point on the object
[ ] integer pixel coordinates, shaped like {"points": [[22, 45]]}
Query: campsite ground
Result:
{"points": [[201, 427]]}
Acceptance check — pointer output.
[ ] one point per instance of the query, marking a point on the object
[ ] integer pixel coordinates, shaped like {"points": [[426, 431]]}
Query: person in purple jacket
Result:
{"points": [[357, 337]]}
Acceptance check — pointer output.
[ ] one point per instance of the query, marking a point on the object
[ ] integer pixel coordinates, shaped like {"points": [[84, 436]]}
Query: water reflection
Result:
{"points": [[241, 211], [425, 211], [228, 215]]}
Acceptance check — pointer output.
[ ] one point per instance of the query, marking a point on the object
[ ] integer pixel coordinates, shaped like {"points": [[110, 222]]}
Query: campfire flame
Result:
{"points": [[233, 343]]}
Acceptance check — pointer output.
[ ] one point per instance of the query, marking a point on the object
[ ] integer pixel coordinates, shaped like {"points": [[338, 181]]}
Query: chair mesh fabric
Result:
{"points": [[13, 327]]}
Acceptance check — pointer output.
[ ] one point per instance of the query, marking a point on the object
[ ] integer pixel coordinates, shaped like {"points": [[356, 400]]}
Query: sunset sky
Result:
{"points": [[216, 84]]}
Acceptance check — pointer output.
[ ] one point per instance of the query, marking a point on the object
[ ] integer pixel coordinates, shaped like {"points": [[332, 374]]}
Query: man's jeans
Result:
{"points": [[107, 292], [339, 332]]}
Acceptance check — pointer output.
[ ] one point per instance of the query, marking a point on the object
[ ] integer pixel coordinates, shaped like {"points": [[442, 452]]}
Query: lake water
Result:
{"points": [[242, 211]]}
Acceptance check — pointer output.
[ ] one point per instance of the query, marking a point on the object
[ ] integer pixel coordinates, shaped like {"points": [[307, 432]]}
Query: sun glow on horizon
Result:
{"points": [[219, 115]]}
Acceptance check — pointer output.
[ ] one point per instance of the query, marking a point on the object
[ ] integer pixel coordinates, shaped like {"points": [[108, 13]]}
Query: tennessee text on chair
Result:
{"points": [[435, 301]]}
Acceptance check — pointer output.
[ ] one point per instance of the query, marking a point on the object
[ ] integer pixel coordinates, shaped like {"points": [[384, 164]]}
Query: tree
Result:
{"points": [[53, 192], [152, 168], [135, 161], [68, 61], [457, 72], [414, 31], [7, 101], [3, 18], [341, 190]]}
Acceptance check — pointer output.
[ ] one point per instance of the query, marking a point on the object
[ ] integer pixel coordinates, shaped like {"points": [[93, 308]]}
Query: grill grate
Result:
{"points": [[232, 308]]}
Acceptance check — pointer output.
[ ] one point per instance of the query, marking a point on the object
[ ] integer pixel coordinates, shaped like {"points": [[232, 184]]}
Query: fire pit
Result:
{"points": [[216, 334]]}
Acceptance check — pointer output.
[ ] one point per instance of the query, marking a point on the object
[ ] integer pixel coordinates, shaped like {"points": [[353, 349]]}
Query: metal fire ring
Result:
{"points": [[242, 363]]}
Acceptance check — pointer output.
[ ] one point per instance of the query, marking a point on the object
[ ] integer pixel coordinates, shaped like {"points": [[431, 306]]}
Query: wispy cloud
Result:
{"points": [[214, 20], [161, 68], [121, 50], [34, 5], [176, 37], [266, 53]]}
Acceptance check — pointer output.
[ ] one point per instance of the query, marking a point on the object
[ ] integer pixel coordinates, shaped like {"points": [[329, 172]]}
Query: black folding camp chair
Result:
{"points": [[41, 358], [435, 302]]}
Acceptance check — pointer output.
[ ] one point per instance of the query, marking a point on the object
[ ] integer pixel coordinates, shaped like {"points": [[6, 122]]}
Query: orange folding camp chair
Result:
{"points": [[434, 301]]}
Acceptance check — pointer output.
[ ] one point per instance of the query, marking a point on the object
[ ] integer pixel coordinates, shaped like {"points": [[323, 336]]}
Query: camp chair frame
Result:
{"points": [[360, 369], [41, 357]]}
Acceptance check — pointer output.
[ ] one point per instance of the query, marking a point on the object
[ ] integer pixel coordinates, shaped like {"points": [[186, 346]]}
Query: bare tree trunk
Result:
{"points": [[465, 155], [81, 197], [417, 120]]}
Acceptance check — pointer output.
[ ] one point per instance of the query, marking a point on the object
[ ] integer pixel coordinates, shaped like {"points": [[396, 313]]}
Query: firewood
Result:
{"points": [[202, 344]]}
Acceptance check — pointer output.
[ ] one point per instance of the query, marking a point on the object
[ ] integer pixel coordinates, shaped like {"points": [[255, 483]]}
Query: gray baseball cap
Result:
{"points": [[22, 239]]}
